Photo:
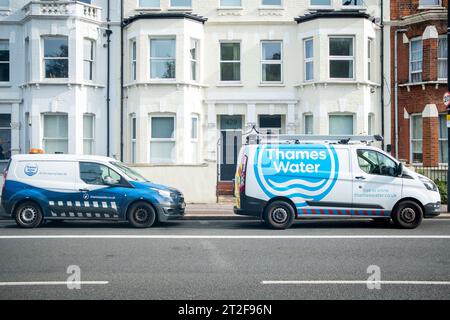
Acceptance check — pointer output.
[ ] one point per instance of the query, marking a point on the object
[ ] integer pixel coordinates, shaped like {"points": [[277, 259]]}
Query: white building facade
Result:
{"points": [[200, 74], [53, 92]]}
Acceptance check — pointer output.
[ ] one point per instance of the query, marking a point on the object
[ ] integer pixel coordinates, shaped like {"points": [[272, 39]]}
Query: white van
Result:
{"points": [[318, 176], [39, 187]]}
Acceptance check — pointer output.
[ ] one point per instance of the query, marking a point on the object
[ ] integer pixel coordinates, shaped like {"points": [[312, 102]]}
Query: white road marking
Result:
{"points": [[52, 283], [292, 237], [349, 282]]}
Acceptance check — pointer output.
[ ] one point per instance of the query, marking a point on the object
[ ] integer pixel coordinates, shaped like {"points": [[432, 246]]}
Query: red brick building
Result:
{"points": [[422, 80]]}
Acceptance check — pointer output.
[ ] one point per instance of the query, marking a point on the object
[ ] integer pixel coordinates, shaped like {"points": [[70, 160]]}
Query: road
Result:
{"points": [[201, 259]]}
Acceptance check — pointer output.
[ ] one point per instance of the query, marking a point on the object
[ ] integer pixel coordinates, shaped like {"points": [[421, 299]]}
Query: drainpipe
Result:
{"points": [[121, 80], [108, 77], [396, 87]]}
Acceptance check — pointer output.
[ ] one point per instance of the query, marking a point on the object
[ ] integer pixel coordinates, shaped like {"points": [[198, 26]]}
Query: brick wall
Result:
{"points": [[414, 98]]}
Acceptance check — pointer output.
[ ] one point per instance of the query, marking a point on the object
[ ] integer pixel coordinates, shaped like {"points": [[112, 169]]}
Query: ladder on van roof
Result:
{"points": [[308, 138]]}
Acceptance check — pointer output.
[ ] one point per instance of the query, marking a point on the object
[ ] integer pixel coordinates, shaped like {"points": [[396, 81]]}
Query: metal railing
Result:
{"points": [[434, 173]]}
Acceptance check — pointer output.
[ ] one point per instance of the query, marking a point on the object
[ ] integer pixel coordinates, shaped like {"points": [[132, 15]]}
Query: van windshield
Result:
{"points": [[130, 173]]}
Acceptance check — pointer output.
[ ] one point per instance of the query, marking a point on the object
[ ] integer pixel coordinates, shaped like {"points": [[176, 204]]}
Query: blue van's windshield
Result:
{"points": [[133, 175]]}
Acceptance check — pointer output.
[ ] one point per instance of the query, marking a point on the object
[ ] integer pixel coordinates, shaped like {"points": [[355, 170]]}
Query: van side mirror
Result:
{"points": [[400, 169]]}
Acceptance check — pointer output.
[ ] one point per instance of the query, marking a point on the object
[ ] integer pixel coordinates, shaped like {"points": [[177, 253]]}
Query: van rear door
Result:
{"points": [[376, 187]]}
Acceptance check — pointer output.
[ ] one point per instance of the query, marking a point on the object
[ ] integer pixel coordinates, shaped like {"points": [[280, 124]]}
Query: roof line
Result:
{"points": [[332, 15], [165, 15]]}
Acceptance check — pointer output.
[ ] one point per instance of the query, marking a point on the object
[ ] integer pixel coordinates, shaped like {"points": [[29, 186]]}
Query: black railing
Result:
{"points": [[437, 173]]}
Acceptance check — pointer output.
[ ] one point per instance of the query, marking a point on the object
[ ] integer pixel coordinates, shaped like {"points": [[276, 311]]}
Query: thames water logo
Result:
{"points": [[31, 169], [301, 173]]}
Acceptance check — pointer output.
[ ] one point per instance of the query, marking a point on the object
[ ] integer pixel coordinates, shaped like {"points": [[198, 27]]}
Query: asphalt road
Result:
{"points": [[201, 259]]}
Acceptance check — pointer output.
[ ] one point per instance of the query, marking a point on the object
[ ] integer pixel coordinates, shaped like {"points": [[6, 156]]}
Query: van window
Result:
{"points": [[95, 173], [373, 162]]}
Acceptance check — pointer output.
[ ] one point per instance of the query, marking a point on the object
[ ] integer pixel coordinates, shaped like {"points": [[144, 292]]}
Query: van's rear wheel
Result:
{"points": [[279, 215], [141, 215], [28, 215], [407, 215]]}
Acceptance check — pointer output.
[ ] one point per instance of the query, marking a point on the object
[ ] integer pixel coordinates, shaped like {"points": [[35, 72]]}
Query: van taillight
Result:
{"points": [[243, 175]]}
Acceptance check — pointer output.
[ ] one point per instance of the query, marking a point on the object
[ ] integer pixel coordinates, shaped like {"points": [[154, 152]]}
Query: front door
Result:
{"points": [[101, 192], [376, 186], [230, 145]]}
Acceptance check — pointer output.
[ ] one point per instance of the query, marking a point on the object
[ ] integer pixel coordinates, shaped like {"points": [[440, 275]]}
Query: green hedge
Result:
{"points": [[442, 186]]}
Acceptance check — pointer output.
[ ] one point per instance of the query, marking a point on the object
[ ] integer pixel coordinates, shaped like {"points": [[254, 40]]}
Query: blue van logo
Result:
{"points": [[299, 172], [31, 169]]}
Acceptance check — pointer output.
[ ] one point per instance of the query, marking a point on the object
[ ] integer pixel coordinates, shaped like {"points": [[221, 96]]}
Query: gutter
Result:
{"points": [[121, 80], [382, 71], [108, 78]]}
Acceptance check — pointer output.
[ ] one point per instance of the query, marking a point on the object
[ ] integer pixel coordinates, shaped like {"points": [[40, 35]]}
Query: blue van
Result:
{"points": [[40, 187]]}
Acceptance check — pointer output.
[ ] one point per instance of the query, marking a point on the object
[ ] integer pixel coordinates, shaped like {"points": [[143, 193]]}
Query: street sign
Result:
{"points": [[447, 99]]}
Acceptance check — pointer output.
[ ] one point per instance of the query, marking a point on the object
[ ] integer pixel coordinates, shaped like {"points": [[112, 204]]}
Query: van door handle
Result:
{"points": [[83, 190], [360, 178]]}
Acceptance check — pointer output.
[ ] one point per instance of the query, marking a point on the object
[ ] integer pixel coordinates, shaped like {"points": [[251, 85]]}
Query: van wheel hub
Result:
{"points": [[408, 215], [141, 215], [280, 215], [28, 215]]}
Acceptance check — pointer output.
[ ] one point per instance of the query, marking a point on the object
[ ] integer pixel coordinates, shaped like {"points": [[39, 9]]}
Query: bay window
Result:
{"points": [[4, 61], [5, 136], [341, 124], [88, 59], [442, 58], [416, 138], [88, 133], [194, 50], [309, 59], [443, 138]]}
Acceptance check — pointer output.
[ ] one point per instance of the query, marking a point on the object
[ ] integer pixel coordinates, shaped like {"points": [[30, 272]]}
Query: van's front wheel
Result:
{"points": [[279, 215], [28, 215], [407, 215], [141, 215]]}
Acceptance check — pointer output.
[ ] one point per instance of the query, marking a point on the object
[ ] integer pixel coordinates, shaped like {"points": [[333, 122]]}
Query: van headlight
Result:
{"points": [[163, 193], [429, 184]]}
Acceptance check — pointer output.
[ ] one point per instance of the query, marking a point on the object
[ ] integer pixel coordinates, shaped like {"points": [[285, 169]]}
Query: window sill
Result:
{"points": [[350, 8], [279, 8], [315, 8], [430, 7], [230, 8], [148, 9], [271, 85], [5, 84], [423, 84], [231, 84], [186, 9], [64, 83], [337, 82]]}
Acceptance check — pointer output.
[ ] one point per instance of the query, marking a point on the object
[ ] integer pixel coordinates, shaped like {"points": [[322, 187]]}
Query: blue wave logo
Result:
{"points": [[299, 172], [31, 169]]}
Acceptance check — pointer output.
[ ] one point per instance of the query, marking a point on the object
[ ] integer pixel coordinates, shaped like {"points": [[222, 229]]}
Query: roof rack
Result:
{"points": [[299, 139]]}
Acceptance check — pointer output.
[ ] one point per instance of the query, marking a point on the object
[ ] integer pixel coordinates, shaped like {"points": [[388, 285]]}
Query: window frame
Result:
{"points": [[133, 60], [230, 61], [442, 59], [10, 135], [133, 138], [305, 116], [171, 6], [308, 60], [411, 139], [352, 6], [91, 140], [44, 59], [274, 62], [197, 126], [410, 72], [195, 61], [221, 6], [163, 140], [320, 6], [269, 6], [90, 61], [370, 56], [58, 138], [342, 114], [144, 7], [378, 153], [351, 58], [169, 37], [7, 42]]}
